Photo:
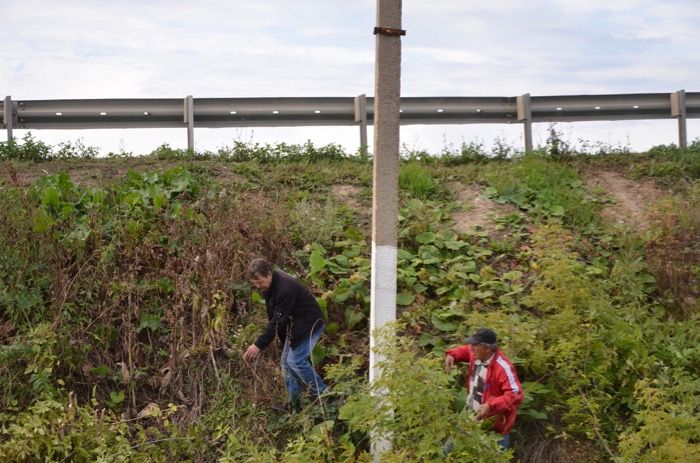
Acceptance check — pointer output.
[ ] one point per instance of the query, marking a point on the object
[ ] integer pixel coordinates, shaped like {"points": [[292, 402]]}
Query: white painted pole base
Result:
{"points": [[382, 311]]}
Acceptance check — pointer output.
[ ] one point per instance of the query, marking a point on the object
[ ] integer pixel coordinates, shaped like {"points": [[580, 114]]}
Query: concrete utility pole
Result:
{"points": [[387, 93]]}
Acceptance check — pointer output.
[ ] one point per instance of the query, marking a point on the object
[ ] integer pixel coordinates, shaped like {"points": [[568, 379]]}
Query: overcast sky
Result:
{"points": [[259, 48]]}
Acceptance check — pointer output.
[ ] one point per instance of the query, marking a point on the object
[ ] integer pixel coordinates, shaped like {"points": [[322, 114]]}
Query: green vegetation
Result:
{"points": [[124, 310]]}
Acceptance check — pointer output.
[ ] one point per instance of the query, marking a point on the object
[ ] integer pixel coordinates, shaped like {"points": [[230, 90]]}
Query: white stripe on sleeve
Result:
{"points": [[509, 372]]}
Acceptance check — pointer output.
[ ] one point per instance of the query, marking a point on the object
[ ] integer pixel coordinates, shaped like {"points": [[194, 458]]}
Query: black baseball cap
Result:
{"points": [[482, 336]]}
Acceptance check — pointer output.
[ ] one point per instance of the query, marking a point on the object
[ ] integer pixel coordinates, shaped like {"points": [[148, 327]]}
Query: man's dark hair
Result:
{"points": [[258, 267]]}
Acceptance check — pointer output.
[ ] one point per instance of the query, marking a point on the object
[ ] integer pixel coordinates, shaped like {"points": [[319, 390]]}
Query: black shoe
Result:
{"points": [[280, 408], [287, 407]]}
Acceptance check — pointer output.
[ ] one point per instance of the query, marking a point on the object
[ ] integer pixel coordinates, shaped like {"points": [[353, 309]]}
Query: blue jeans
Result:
{"points": [[297, 367], [505, 442]]}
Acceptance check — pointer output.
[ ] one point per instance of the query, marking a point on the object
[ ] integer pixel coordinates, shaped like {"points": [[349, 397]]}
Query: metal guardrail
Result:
{"points": [[343, 111]]}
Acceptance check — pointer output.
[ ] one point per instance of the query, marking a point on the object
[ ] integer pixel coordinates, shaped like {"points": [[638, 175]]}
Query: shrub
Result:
{"points": [[37, 151], [419, 182]]}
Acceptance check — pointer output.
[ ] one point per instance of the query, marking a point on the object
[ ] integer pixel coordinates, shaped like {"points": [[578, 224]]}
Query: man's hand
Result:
{"points": [[483, 410], [251, 353], [449, 363]]}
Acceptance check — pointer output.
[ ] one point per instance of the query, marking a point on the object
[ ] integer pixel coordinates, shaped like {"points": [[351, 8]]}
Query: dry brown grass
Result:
{"points": [[674, 254]]}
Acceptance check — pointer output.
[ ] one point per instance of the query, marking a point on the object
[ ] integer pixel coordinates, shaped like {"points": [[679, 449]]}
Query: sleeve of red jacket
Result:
{"points": [[461, 353], [510, 385]]}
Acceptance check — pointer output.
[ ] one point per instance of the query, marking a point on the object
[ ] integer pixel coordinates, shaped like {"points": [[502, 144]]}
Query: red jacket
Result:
{"points": [[502, 390]]}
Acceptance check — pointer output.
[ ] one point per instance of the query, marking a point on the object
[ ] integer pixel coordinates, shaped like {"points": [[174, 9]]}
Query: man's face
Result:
{"points": [[481, 351], [262, 282]]}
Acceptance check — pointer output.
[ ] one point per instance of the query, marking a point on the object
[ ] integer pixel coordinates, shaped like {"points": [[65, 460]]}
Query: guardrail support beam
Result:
{"points": [[525, 116], [678, 110], [361, 118], [9, 116], [189, 120]]}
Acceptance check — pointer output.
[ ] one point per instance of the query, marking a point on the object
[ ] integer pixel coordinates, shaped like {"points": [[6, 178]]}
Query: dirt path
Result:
{"points": [[480, 211], [633, 198]]}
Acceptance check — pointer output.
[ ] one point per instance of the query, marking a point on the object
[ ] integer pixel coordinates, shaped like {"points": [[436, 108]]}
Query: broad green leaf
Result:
{"points": [[537, 415], [332, 328], [447, 235], [323, 304], [318, 354], [117, 397], [455, 245], [430, 254], [427, 339], [150, 321], [102, 371], [256, 298], [131, 199], [425, 237], [316, 260], [593, 270], [50, 197], [557, 211], [405, 299], [443, 325], [442, 290], [159, 200], [98, 196], [353, 317], [466, 267], [456, 294], [513, 275], [80, 233], [419, 288], [482, 294], [343, 293]]}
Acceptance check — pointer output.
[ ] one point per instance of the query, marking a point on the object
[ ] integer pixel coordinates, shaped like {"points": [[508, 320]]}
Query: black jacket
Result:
{"points": [[291, 308]]}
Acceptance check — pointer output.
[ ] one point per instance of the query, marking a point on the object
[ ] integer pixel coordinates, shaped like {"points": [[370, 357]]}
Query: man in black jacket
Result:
{"points": [[295, 318]]}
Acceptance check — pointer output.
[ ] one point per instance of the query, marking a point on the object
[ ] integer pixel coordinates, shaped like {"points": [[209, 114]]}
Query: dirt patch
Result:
{"points": [[82, 172], [96, 172], [350, 195], [222, 173], [633, 199], [480, 211]]}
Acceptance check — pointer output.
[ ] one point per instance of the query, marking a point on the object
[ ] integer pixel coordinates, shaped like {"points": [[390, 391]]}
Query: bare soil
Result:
{"points": [[350, 195], [480, 211], [99, 171], [634, 199]]}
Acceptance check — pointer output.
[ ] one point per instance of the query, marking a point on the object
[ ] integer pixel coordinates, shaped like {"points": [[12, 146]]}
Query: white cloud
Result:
{"points": [[129, 48]]}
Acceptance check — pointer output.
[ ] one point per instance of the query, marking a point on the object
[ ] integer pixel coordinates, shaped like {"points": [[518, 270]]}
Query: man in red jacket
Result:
{"points": [[493, 387]]}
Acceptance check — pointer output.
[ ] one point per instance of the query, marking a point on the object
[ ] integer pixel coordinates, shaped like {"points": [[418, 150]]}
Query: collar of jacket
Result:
{"points": [[487, 361], [273, 283]]}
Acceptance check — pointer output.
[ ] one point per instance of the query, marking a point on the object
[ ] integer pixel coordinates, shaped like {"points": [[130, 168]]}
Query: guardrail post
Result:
{"points": [[9, 116], [678, 110], [189, 120], [361, 117], [525, 116]]}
